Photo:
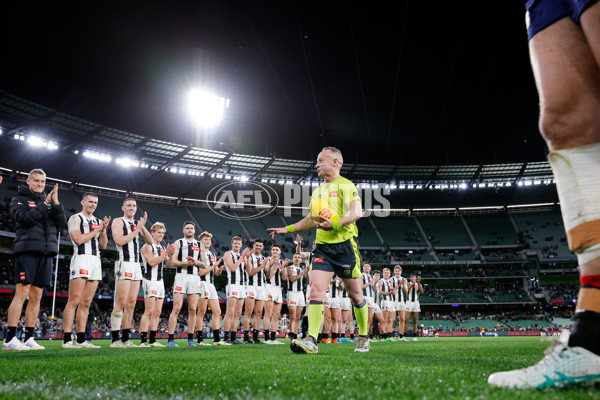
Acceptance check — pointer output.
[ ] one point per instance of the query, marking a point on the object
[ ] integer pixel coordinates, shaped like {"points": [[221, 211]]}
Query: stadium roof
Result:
{"points": [[402, 83], [82, 152]]}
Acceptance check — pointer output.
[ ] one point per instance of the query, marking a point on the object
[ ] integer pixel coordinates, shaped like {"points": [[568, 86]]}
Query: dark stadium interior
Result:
{"points": [[442, 109]]}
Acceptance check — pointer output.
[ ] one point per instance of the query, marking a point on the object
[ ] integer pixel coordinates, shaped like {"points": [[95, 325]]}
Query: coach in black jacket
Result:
{"points": [[39, 217]]}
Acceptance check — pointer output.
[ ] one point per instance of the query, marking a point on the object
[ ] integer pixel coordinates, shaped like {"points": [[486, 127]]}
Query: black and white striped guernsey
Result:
{"points": [[91, 247], [154, 273], [334, 289], [399, 296], [368, 291], [386, 287], [259, 278], [235, 277], [344, 293], [131, 251], [187, 249], [276, 278], [298, 284], [210, 277], [413, 293]]}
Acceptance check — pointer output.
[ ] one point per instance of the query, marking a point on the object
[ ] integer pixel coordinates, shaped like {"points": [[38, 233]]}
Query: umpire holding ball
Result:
{"points": [[335, 208]]}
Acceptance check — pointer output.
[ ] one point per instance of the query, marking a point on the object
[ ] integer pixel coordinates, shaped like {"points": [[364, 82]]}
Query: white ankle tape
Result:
{"points": [[115, 320], [577, 173]]}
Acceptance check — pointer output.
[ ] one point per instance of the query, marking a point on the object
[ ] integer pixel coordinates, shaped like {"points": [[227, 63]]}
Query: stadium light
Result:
{"points": [[127, 162], [97, 156], [206, 109]]}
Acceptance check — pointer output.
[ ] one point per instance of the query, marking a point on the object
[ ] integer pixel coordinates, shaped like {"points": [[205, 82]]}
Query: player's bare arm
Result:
{"points": [[171, 260], [249, 269], [284, 272], [117, 231], [228, 259], [219, 265], [103, 239], [150, 258], [75, 233]]}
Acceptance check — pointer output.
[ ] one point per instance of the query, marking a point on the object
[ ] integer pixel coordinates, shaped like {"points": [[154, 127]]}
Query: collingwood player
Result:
{"points": [[188, 257], [256, 294], [276, 275], [401, 286], [208, 292], [153, 286], [296, 301], [346, 316], [369, 285], [126, 233], [88, 235], [388, 304], [412, 303], [235, 290], [335, 308]]}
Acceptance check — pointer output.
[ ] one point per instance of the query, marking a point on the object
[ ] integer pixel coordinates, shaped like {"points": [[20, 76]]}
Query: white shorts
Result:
{"points": [[296, 299], [412, 306], [335, 302], [86, 266], [388, 305], [187, 284], [274, 294], [128, 270], [237, 291], [256, 292], [153, 289], [346, 304], [372, 305], [326, 300], [308, 294], [208, 291], [400, 306]]}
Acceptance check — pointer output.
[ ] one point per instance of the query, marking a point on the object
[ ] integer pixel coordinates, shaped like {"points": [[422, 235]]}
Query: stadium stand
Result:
{"points": [[445, 231], [528, 324], [487, 324], [439, 324], [492, 229], [172, 217], [544, 231], [367, 236], [562, 322], [399, 231], [221, 228]]}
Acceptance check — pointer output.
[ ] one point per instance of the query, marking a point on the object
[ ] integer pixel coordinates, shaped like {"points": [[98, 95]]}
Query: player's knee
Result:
{"points": [[563, 127], [74, 300], [84, 305]]}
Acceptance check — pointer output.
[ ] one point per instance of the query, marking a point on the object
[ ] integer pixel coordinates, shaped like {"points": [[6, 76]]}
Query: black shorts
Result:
{"points": [[543, 13], [34, 270], [341, 258]]}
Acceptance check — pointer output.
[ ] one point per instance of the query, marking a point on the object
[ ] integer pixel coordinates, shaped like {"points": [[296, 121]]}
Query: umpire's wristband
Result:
{"points": [[337, 225], [290, 228]]}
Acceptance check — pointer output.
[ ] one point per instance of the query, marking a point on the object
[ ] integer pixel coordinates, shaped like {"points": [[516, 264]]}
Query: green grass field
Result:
{"points": [[433, 368]]}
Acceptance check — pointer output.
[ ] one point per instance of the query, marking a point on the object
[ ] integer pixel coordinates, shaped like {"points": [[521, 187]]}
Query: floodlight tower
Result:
{"points": [[206, 111]]}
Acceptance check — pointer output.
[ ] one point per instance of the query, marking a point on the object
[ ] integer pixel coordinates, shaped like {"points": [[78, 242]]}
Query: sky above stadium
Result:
{"points": [[388, 83]]}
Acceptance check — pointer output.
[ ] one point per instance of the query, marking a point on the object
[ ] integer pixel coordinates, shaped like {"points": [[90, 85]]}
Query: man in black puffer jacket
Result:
{"points": [[39, 217]]}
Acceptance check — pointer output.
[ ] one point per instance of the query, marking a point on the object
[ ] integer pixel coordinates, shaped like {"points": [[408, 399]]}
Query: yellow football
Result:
{"points": [[320, 209]]}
